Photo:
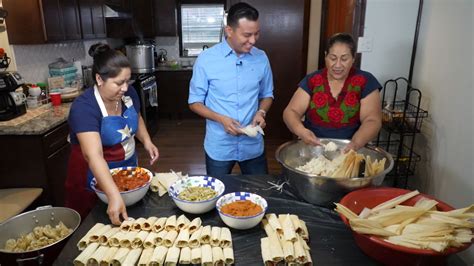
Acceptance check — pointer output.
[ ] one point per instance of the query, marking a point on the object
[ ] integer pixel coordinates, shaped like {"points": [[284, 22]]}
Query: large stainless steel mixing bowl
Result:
{"points": [[323, 190]]}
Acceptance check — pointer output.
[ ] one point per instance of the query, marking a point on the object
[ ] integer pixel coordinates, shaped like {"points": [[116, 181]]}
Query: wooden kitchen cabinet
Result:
{"points": [[165, 18], [149, 18], [143, 18], [173, 92], [122, 4], [34, 22], [37, 161], [139, 25], [92, 19]]}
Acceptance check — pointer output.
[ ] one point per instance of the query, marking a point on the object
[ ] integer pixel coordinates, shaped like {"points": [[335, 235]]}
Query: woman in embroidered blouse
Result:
{"points": [[338, 101]]}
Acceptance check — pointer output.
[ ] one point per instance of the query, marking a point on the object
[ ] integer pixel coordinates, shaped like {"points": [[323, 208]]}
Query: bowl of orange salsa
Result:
{"points": [[241, 210], [132, 182]]}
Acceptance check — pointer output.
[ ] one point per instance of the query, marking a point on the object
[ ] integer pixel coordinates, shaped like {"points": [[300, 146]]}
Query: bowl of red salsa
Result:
{"points": [[241, 210], [132, 182]]}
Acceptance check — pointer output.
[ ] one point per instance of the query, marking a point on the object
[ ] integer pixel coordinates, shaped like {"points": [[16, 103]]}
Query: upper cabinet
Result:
{"points": [[165, 18], [143, 18], [92, 19], [35, 22], [139, 23], [122, 4], [70, 20], [149, 18]]}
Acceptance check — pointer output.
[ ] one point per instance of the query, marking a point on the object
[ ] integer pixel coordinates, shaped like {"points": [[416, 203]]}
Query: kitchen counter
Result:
{"points": [[331, 241], [41, 124], [169, 68]]}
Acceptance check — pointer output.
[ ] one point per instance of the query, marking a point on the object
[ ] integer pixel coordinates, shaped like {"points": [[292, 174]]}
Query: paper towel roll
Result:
{"points": [[78, 66]]}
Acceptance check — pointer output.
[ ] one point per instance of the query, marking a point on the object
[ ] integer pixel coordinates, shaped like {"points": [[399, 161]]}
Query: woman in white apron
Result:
{"points": [[103, 122]]}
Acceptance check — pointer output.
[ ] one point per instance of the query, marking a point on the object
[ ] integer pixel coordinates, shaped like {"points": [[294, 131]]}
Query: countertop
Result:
{"points": [[169, 68], [41, 124], [331, 241]]}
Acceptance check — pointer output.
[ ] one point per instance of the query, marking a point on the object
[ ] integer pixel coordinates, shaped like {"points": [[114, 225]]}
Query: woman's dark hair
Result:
{"points": [[344, 38], [107, 62], [241, 10]]}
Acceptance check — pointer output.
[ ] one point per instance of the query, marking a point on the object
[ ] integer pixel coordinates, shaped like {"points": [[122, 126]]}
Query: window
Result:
{"points": [[201, 27]]}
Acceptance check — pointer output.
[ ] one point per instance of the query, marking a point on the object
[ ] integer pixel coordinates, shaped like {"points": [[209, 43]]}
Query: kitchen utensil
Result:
{"points": [[87, 76], [26, 222], [162, 57], [141, 57], [323, 190], [385, 252]]}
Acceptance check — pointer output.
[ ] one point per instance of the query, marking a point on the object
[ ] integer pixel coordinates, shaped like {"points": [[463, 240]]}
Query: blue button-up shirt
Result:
{"points": [[231, 85]]}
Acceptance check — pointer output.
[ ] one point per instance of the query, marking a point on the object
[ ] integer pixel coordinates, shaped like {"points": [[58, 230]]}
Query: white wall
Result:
{"points": [[391, 26], [444, 72], [314, 33]]}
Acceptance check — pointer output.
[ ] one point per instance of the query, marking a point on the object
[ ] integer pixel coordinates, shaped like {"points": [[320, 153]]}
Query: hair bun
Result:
{"points": [[98, 48]]}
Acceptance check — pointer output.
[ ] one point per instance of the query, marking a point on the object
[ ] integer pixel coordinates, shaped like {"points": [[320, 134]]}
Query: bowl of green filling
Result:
{"points": [[196, 194]]}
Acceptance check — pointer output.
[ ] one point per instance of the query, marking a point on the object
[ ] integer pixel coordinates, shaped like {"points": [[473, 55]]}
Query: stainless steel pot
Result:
{"points": [[323, 190], [141, 57], [24, 223], [87, 76]]}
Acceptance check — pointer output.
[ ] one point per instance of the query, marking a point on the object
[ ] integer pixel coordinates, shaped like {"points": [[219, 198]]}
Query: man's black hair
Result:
{"points": [[241, 10]]}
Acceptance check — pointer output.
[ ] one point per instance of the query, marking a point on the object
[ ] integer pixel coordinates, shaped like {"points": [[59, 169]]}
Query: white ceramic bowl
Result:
{"points": [[129, 197], [241, 222], [196, 207]]}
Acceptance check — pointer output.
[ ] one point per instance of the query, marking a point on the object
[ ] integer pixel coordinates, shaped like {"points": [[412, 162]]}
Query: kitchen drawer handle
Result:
{"points": [[38, 259], [54, 144]]}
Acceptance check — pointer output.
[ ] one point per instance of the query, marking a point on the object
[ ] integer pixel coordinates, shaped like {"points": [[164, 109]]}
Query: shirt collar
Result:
{"points": [[227, 50]]}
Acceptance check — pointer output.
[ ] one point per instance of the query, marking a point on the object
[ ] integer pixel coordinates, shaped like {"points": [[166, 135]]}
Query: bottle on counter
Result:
{"points": [[32, 98], [43, 98]]}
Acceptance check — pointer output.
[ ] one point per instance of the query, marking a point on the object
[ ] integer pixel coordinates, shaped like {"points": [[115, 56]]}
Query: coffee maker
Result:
{"points": [[12, 104]]}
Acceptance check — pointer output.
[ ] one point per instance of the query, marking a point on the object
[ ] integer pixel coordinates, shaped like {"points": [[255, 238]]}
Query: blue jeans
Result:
{"points": [[253, 166]]}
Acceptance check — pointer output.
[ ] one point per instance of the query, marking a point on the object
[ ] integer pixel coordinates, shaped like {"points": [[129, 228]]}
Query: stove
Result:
{"points": [[147, 89]]}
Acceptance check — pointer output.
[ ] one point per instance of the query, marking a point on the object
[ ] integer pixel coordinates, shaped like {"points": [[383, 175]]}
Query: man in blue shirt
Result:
{"points": [[232, 87]]}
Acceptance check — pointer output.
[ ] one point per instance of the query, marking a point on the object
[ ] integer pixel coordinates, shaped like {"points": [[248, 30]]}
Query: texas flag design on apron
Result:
{"points": [[118, 135], [118, 144]]}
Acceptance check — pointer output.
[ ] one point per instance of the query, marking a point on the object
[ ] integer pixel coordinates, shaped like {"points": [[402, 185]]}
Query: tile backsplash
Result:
{"points": [[171, 45], [32, 60]]}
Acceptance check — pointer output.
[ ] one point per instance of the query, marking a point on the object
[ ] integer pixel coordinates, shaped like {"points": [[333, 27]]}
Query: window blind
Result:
{"points": [[201, 24]]}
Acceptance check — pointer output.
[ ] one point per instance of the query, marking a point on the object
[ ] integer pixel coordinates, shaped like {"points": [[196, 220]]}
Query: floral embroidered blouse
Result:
{"points": [[339, 118]]}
